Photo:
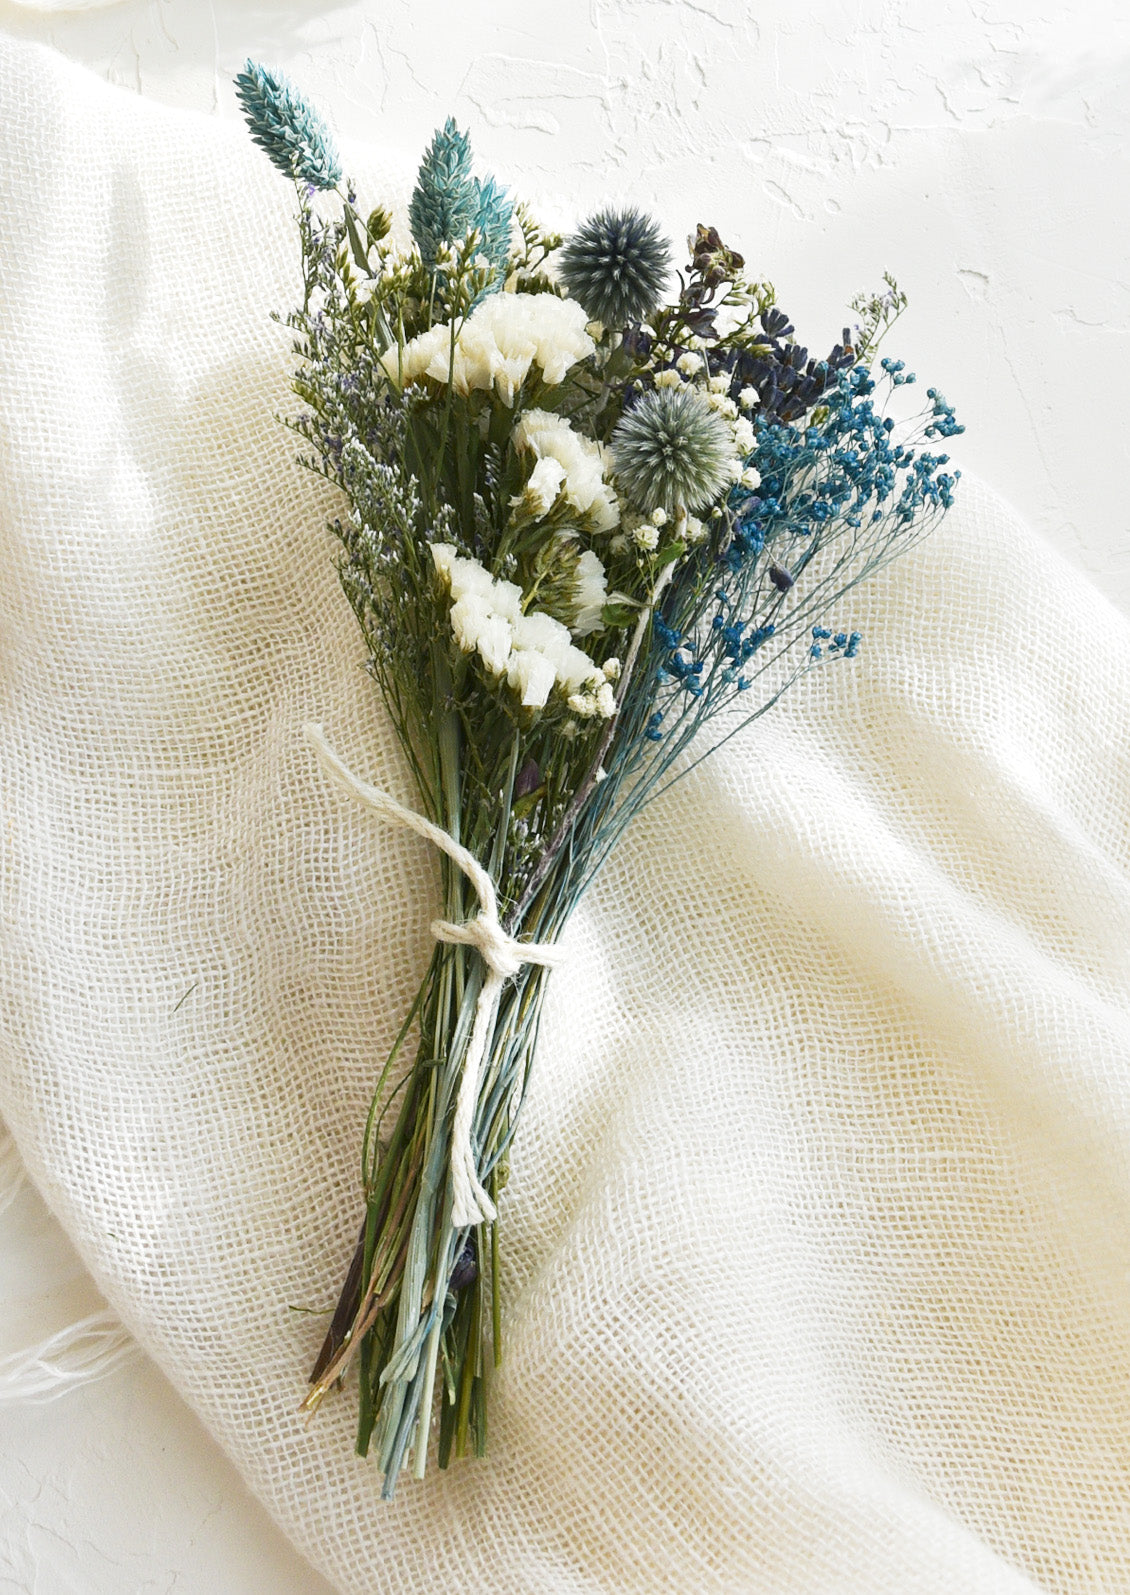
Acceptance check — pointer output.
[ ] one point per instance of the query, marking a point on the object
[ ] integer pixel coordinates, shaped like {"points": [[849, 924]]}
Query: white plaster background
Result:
{"points": [[977, 148]]}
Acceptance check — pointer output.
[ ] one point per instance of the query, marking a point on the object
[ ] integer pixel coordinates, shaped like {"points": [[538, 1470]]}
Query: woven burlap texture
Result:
{"points": [[816, 1241]]}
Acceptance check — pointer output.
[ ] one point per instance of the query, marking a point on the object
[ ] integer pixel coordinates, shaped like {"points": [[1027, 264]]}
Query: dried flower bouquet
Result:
{"points": [[584, 519]]}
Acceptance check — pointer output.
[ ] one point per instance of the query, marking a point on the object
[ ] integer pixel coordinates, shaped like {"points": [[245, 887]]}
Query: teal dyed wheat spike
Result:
{"points": [[492, 219], [444, 200], [290, 131]]}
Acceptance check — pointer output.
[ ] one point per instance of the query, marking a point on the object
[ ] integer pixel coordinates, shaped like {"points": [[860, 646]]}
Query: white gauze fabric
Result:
{"points": [[816, 1241]]}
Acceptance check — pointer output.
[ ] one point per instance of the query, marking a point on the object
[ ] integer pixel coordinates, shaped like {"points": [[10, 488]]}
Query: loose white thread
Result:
{"points": [[78, 1355], [502, 954]]}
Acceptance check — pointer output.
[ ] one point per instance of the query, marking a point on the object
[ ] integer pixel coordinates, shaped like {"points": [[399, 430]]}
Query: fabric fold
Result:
{"points": [[815, 1233]]}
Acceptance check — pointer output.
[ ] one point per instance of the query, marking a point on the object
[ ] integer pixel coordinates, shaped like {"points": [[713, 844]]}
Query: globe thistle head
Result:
{"points": [[290, 130], [672, 451], [616, 266]]}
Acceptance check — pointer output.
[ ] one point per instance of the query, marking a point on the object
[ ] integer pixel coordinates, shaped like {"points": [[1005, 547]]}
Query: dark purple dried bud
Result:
{"points": [[465, 1271], [709, 255], [775, 322], [529, 779]]}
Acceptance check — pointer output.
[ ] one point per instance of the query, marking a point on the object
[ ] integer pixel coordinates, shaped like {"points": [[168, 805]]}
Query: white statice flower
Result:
{"points": [[508, 333], [542, 488], [493, 356], [466, 578], [583, 461], [461, 575], [744, 436], [659, 516], [590, 594], [667, 378], [420, 357], [748, 398], [503, 337], [734, 469], [532, 676], [469, 614], [534, 651], [693, 530], [719, 384], [444, 556], [689, 364], [482, 608], [612, 669], [646, 536], [539, 633], [542, 634], [480, 629], [751, 477]]}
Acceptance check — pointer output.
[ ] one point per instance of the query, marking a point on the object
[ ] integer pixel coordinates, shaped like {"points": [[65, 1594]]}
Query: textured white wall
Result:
{"points": [[977, 148]]}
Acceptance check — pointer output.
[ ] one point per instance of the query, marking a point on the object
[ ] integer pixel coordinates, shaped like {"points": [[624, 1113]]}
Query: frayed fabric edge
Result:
{"points": [[83, 1352], [77, 1355]]}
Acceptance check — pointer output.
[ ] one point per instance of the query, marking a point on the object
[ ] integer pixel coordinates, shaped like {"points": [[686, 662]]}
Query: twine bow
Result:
{"points": [[500, 952]]}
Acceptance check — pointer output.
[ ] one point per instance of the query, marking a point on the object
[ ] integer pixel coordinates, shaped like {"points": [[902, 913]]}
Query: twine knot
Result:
{"points": [[502, 954]]}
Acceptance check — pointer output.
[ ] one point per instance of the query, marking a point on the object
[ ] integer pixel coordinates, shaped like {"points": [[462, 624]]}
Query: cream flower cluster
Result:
{"points": [[643, 531], [496, 346], [534, 652], [569, 463]]}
